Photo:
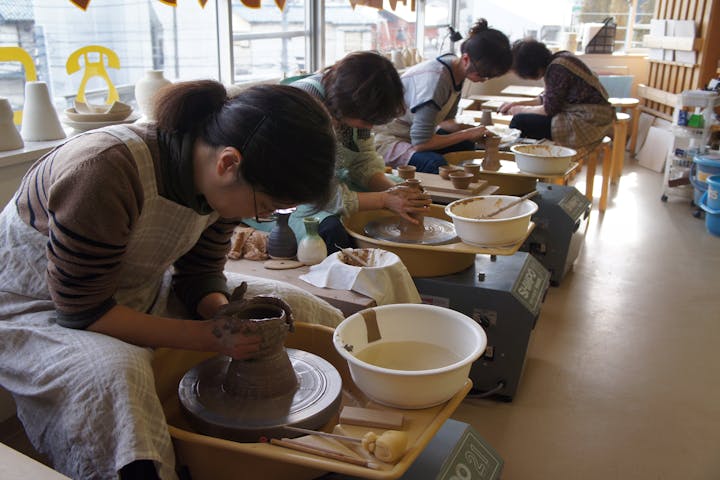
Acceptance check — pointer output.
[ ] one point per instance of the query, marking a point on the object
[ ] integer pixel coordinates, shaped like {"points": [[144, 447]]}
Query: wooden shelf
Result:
{"points": [[674, 64]]}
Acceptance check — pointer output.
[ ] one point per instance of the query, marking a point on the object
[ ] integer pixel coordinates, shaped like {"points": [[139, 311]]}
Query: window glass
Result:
{"points": [[367, 28], [436, 36], [549, 21], [145, 35], [269, 42]]}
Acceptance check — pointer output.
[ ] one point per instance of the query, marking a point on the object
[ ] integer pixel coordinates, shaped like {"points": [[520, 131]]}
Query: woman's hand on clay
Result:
{"points": [[475, 134], [406, 201], [240, 342]]}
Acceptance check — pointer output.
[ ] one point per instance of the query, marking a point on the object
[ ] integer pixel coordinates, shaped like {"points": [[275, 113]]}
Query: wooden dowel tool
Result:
{"points": [[322, 452], [345, 438], [511, 204]]}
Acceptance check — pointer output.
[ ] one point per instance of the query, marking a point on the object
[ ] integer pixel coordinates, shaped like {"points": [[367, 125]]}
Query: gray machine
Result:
{"points": [[560, 226], [503, 294]]}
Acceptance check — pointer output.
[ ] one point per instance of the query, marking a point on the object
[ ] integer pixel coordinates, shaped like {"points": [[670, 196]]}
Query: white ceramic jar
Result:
{"points": [[145, 90]]}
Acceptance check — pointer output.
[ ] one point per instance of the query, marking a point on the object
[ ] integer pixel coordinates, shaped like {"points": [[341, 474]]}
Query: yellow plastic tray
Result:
{"points": [[210, 458]]}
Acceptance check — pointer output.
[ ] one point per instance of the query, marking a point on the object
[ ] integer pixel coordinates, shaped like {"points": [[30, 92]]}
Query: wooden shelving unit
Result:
{"points": [[667, 79]]}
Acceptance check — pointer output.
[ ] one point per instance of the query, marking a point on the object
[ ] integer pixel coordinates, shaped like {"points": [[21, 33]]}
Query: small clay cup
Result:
{"points": [[444, 170], [472, 168], [461, 179], [406, 171]]}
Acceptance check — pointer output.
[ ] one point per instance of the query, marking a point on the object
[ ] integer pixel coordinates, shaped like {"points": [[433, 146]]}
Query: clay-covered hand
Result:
{"points": [[474, 134], [238, 334], [406, 201]]}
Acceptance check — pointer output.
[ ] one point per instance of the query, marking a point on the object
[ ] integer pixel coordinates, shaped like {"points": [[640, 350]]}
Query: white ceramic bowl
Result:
{"points": [[543, 159], [456, 341], [505, 228]]}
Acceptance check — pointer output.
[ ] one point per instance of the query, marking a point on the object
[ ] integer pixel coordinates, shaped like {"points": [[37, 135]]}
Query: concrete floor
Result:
{"points": [[620, 381]]}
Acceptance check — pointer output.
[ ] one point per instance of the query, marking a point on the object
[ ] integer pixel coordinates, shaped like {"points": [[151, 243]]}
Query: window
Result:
{"points": [[373, 29], [549, 21], [268, 42], [145, 35]]}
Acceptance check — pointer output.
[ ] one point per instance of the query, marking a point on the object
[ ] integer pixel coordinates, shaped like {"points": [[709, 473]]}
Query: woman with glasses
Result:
{"points": [[573, 110], [361, 90], [428, 128], [115, 244]]}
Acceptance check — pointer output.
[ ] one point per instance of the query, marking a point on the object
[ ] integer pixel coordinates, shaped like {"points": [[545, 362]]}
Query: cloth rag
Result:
{"points": [[386, 280]]}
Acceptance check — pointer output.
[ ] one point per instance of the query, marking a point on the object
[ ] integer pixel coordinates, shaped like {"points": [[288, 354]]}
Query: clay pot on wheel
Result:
{"points": [[269, 373]]}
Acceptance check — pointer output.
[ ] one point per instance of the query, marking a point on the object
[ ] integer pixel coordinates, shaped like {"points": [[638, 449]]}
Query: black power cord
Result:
{"points": [[487, 393]]}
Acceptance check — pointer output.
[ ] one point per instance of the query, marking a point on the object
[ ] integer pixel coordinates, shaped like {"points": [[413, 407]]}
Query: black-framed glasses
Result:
{"points": [[258, 218]]}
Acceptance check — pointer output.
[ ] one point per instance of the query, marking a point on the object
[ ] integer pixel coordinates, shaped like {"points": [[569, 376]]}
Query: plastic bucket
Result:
{"points": [[702, 168], [712, 216], [713, 191]]}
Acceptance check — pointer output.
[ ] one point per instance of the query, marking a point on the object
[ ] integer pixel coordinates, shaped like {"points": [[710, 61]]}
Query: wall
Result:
{"points": [[610, 64]]}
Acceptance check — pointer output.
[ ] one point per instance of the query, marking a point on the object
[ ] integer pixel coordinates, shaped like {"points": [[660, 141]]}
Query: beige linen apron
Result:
{"points": [[393, 142], [579, 125], [88, 400]]}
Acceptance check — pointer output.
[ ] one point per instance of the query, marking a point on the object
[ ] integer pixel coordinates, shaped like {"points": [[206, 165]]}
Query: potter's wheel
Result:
{"points": [[214, 412], [435, 231]]}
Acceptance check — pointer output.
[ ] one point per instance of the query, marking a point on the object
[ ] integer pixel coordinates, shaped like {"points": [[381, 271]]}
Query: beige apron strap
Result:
{"points": [[141, 154], [588, 77]]}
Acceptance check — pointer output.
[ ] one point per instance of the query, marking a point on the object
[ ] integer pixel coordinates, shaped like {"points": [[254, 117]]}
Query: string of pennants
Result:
{"points": [[84, 4]]}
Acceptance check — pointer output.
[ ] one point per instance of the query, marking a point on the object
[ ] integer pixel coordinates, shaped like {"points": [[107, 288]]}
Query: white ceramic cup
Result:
{"points": [[10, 138], [40, 120]]}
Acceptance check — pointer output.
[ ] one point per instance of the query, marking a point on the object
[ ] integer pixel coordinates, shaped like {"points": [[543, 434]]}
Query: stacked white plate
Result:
{"points": [[84, 116]]}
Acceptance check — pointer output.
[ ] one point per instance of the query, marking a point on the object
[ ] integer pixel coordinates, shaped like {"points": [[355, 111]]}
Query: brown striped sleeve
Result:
{"points": [[86, 197]]}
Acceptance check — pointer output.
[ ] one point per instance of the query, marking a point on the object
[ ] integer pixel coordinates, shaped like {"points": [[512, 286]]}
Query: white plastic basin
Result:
{"points": [[408, 329]]}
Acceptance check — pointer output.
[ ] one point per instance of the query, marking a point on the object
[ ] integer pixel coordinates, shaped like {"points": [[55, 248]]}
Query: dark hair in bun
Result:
{"points": [[488, 48]]}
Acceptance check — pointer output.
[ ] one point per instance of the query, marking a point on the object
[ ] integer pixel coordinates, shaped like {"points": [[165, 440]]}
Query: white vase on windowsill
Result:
{"points": [[145, 90]]}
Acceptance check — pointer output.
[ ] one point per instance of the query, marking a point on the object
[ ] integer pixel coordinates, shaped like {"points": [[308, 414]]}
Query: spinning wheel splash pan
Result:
{"points": [[434, 231], [212, 411]]}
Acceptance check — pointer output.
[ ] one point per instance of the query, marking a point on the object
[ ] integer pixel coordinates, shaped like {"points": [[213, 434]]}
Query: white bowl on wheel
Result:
{"points": [[543, 159], [409, 355], [505, 228]]}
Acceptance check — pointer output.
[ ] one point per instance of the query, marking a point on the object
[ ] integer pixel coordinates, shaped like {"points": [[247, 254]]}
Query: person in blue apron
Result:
{"points": [[115, 243], [572, 111], [428, 128], [361, 90]]}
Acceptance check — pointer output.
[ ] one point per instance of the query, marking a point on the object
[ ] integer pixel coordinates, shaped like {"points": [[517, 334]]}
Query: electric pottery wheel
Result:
{"points": [[244, 400], [432, 231], [423, 260]]}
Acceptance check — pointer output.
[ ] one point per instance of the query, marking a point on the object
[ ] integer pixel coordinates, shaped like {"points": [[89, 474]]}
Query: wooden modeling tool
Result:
{"points": [[511, 204]]}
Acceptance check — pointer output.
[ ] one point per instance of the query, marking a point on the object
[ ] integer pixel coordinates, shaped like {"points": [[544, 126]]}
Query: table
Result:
{"points": [[508, 178], [347, 301], [522, 90], [442, 191], [16, 466]]}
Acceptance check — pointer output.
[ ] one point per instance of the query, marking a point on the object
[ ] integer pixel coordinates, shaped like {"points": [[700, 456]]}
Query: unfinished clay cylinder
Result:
{"points": [[270, 372]]}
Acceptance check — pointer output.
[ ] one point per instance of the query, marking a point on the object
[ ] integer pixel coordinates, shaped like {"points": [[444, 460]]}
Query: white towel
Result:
{"points": [[386, 281]]}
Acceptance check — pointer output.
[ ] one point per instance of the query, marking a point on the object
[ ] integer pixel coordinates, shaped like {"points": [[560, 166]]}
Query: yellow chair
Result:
{"points": [[17, 54]]}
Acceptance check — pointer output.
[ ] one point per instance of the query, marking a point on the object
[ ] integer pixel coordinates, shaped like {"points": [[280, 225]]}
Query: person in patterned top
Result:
{"points": [[573, 110]]}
